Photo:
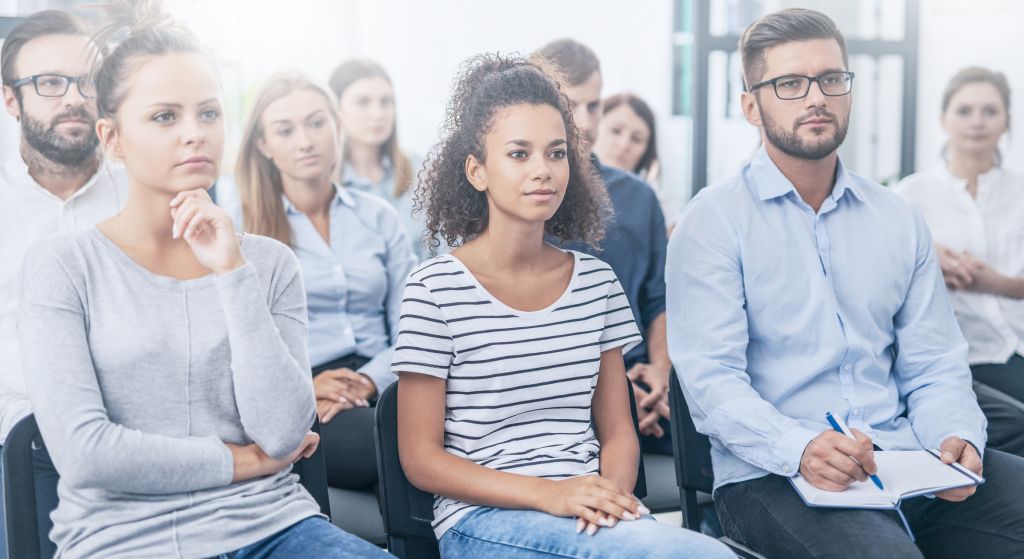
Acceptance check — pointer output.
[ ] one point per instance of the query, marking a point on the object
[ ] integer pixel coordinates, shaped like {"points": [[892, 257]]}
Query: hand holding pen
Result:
{"points": [[833, 460]]}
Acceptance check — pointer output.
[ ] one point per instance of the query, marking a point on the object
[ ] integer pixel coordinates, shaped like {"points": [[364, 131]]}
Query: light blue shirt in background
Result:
{"points": [[777, 315], [354, 285], [403, 204]]}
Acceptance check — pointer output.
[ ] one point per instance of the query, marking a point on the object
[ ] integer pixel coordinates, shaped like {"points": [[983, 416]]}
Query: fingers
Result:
{"points": [[335, 409], [951, 449], [351, 376], [656, 395], [336, 393], [199, 193], [867, 456], [957, 495], [636, 372], [846, 465], [648, 420], [663, 410]]}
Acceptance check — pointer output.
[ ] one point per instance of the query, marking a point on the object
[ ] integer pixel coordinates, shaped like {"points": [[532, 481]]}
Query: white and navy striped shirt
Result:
{"points": [[520, 384]]}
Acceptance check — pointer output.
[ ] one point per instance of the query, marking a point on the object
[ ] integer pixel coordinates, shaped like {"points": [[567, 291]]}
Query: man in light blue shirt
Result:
{"points": [[797, 288]]}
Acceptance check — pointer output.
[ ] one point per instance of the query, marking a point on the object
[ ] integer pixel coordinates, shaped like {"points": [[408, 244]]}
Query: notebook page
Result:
{"points": [[914, 472], [860, 494]]}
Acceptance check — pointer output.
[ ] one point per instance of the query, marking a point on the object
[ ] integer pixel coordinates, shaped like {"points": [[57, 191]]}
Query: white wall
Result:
{"points": [[959, 33], [422, 43]]}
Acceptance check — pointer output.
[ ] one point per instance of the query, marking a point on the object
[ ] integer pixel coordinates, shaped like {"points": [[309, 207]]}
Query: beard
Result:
{"points": [[69, 151], [790, 143]]}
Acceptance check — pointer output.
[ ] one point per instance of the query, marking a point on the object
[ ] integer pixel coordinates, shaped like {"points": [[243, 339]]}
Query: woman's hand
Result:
{"points": [[207, 229], [338, 390], [251, 462], [596, 501], [957, 271]]}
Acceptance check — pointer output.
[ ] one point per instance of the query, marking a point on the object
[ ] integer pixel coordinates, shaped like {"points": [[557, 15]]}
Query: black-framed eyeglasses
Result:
{"points": [[57, 85], [787, 88]]}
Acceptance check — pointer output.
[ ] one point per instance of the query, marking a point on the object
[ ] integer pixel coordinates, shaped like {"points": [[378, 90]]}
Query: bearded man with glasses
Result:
{"points": [[58, 183], [798, 287]]}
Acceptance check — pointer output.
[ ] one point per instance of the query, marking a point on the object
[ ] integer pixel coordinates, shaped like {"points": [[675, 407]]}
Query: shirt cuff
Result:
{"points": [[788, 451], [378, 370]]}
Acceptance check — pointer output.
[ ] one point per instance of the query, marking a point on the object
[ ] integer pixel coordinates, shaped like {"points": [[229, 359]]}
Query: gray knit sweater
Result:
{"points": [[137, 380]]}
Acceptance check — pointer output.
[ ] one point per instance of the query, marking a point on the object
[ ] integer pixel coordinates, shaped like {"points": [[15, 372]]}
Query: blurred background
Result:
{"points": [[678, 55]]}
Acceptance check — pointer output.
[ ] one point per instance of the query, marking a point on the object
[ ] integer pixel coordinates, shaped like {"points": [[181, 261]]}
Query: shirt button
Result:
{"points": [[856, 412], [846, 368]]}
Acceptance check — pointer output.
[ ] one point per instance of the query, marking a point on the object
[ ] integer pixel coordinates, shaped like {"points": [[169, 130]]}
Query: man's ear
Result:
{"points": [[12, 102], [751, 110], [110, 140], [476, 173]]}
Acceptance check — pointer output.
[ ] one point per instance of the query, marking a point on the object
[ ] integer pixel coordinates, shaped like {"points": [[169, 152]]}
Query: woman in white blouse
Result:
{"points": [[975, 210]]}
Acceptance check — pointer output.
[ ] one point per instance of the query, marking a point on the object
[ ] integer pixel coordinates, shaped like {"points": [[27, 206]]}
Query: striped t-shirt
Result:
{"points": [[520, 384]]}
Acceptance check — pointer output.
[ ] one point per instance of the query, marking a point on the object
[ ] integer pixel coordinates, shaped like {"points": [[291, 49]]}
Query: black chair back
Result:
{"points": [[693, 456], [28, 474], [24, 459], [408, 511], [312, 473]]}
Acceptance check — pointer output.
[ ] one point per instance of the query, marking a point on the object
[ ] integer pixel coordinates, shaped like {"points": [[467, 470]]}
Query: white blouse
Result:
{"points": [[991, 228]]}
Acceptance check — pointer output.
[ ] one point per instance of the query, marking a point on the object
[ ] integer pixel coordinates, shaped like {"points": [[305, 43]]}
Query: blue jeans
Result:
{"points": [[312, 537], [498, 533]]}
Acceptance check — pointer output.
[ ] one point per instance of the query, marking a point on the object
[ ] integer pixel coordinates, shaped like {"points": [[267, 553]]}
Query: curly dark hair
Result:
{"points": [[455, 211]]}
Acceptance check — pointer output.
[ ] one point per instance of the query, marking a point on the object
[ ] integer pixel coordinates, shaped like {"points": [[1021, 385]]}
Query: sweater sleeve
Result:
{"points": [[88, 449], [269, 357]]}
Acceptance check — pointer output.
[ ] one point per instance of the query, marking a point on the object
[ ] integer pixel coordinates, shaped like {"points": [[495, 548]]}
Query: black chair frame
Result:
{"points": [[408, 511]]}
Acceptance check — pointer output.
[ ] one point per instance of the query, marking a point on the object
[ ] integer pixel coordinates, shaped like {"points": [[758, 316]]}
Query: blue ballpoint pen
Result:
{"points": [[838, 425]]}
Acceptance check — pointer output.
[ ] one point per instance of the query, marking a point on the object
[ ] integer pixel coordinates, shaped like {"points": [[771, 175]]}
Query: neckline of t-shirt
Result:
{"points": [[573, 280], [138, 269]]}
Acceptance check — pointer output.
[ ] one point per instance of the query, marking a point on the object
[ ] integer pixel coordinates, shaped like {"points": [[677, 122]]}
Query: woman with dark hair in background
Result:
{"points": [[627, 139], [975, 210], [372, 160], [353, 254], [165, 356]]}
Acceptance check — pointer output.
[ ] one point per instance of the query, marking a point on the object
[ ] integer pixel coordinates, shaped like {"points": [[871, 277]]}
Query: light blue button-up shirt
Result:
{"points": [[385, 188], [354, 284], [777, 314]]}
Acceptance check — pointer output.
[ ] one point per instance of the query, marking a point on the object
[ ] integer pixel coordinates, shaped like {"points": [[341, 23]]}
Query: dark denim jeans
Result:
{"points": [[312, 537], [767, 515]]}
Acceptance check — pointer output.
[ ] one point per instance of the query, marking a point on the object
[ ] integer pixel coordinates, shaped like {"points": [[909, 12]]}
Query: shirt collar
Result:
{"points": [[771, 183], [986, 180], [19, 170], [341, 196], [350, 178]]}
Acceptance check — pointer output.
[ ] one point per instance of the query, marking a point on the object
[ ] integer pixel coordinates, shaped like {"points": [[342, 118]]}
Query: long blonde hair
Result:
{"points": [[259, 182]]}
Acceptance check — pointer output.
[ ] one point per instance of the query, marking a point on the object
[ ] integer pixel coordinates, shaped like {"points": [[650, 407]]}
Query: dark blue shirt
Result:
{"points": [[634, 246]]}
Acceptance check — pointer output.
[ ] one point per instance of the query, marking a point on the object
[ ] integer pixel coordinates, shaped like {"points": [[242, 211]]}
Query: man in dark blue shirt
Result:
{"points": [[634, 245]]}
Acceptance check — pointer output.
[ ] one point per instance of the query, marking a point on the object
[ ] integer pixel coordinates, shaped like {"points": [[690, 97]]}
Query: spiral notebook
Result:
{"points": [[904, 474]]}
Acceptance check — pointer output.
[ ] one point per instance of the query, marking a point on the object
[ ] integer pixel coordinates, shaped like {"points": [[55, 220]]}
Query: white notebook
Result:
{"points": [[904, 474]]}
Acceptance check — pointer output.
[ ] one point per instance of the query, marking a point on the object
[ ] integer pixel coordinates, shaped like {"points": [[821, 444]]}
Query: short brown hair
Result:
{"points": [[47, 22], [572, 59], [785, 26]]}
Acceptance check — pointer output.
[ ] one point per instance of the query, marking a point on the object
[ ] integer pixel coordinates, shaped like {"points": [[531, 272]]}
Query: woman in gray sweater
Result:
{"points": [[165, 356]]}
